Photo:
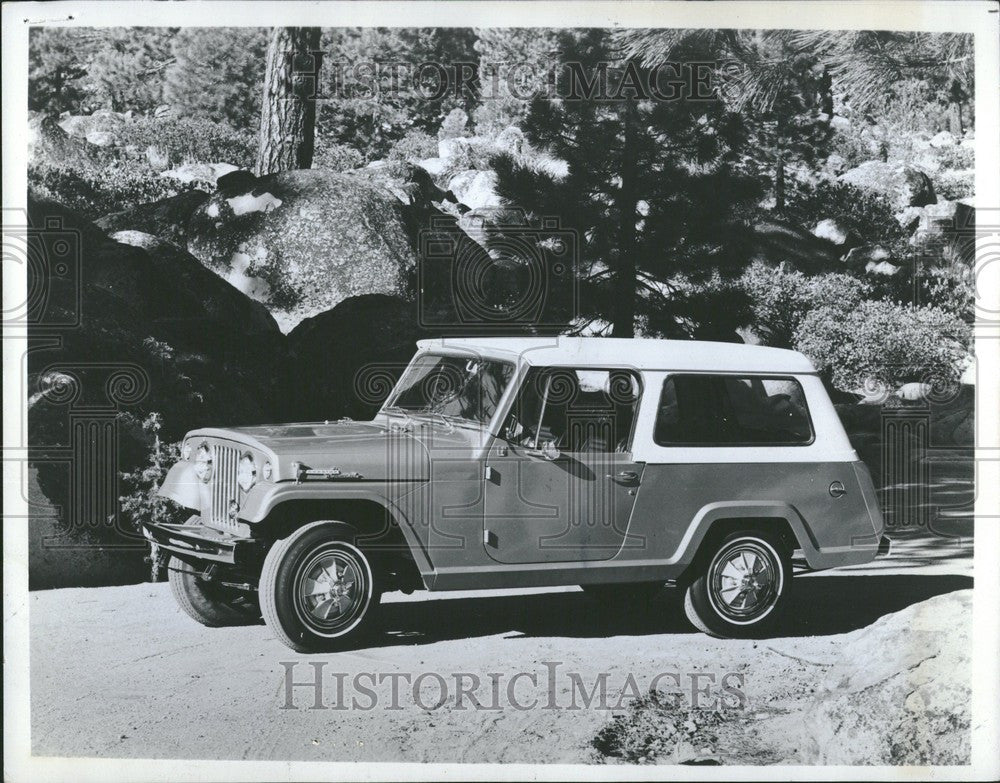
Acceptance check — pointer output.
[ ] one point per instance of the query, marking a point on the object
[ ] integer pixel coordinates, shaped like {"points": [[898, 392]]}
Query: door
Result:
{"points": [[561, 481]]}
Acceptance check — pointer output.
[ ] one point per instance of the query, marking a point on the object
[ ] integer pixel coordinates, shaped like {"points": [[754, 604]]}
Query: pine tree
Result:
{"points": [[288, 104], [57, 68], [127, 72], [651, 193], [217, 73], [513, 63], [374, 90]]}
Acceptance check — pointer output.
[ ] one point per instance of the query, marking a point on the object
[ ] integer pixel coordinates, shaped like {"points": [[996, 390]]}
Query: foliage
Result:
{"points": [[360, 103], [336, 157], [140, 502], [651, 190], [781, 298], [190, 140], [126, 73], [217, 74], [455, 125], [513, 65], [414, 145], [869, 216], [954, 185], [57, 67], [99, 191], [885, 343]]}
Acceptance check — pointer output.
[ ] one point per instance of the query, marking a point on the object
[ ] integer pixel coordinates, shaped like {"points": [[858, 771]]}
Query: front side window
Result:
{"points": [[576, 410], [726, 410], [454, 387]]}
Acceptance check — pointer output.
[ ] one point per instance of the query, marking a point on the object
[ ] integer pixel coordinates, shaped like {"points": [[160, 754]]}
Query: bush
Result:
{"points": [[953, 185], [100, 191], [885, 344], [455, 125], [780, 298], [141, 503], [190, 140], [415, 145], [868, 216], [336, 157]]}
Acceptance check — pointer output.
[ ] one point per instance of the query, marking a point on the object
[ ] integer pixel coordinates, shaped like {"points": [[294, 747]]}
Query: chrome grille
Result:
{"points": [[225, 462]]}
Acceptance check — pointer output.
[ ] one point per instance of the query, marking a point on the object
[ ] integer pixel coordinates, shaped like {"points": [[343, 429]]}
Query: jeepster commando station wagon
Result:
{"points": [[618, 465]]}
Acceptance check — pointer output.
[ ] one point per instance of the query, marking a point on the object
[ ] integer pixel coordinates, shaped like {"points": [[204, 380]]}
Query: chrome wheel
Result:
{"points": [[745, 581], [332, 589]]}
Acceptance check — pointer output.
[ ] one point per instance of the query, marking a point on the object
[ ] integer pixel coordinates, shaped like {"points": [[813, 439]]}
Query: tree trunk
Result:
{"points": [[623, 289], [779, 183], [955, 119], [288, 108]]}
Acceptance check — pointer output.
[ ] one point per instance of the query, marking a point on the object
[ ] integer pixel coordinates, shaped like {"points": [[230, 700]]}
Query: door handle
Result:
{"points": [[624, 475]]}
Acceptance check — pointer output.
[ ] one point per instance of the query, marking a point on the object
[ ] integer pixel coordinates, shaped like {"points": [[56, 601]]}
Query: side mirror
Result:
{"points": [[547, 451]]}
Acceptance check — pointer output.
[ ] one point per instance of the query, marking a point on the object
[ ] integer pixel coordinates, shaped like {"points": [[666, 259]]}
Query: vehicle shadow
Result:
{"points": [[818, 606]]}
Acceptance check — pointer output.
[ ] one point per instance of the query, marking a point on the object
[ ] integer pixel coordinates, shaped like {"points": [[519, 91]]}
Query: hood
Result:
{"points": [[373, 449]]}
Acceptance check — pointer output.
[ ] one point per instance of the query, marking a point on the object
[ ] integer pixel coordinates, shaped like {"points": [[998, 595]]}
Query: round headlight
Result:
{"points": [[267, 471], [246, 473], [203, 462], [186, 451]]}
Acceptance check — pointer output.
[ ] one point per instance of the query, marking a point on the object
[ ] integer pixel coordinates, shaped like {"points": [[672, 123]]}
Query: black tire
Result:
{"points": [[211, 604], [630, 594], [741, 587], [292, 609]]}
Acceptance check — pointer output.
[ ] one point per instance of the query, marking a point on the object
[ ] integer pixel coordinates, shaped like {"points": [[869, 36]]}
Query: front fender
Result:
{"points": [[262, 499], [183, 486]]}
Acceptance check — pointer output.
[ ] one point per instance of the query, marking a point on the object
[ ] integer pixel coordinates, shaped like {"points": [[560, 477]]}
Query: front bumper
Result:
{"points": [[197, 542]]}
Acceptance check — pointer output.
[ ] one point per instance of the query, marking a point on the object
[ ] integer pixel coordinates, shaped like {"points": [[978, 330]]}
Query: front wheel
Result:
{"points": [[742, 590], [208, 602], [317, 589]]}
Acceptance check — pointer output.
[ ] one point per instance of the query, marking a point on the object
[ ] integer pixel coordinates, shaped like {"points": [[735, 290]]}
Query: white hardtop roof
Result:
{"points": [[638, 353]]}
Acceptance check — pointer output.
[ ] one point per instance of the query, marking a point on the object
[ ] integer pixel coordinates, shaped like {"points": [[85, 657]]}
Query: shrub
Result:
{"points": [[100, 191], [868, 216], [780, 298], [336, 157], [415, 145], [140, 501], [953, 185], [884, 343], [455, 125], [190, 140]]}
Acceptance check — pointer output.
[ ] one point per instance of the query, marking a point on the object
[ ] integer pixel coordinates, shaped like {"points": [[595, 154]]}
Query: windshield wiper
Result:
{"points": [[402, 412]]}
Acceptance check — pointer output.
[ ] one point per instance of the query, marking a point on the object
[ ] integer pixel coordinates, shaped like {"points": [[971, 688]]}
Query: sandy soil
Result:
{"points": [[120, 672]]}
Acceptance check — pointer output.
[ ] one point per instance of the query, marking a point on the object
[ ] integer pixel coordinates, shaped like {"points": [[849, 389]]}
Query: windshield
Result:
{"points": [[455, 387]]}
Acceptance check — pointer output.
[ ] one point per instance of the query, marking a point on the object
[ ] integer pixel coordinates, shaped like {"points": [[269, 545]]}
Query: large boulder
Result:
{"points": [[208, 173], [122, 330], [904, 186], [475, 189], [49, 144], [303, 241], [336, 374], [775, 242], [167, 218]]}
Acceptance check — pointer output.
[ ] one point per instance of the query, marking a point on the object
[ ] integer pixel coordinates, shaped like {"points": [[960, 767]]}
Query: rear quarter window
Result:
{"points": [[732, 410]]}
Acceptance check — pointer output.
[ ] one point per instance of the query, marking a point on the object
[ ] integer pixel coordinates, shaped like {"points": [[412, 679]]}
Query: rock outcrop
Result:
{"points": [[303, 241]]}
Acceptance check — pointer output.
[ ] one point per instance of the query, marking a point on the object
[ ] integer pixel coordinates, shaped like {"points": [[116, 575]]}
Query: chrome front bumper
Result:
{"points": [[198, 542]]}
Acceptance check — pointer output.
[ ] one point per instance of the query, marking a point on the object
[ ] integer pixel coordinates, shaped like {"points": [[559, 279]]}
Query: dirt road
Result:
{"points": [[119, 671]]}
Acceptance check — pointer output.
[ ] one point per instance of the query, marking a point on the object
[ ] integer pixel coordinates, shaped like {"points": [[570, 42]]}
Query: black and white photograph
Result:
{"points": [[501, 390]]}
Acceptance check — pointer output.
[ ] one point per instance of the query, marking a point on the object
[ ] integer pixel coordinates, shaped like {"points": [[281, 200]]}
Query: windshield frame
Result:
{"points": [[390, 408]]}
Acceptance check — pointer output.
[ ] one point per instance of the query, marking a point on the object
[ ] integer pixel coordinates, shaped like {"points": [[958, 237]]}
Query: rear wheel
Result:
{"points": [[317, 590], [742, 590], [207, 601]]}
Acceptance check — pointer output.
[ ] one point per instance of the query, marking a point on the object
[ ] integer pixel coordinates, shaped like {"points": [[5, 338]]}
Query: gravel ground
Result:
{"points": [[880, 652]]}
